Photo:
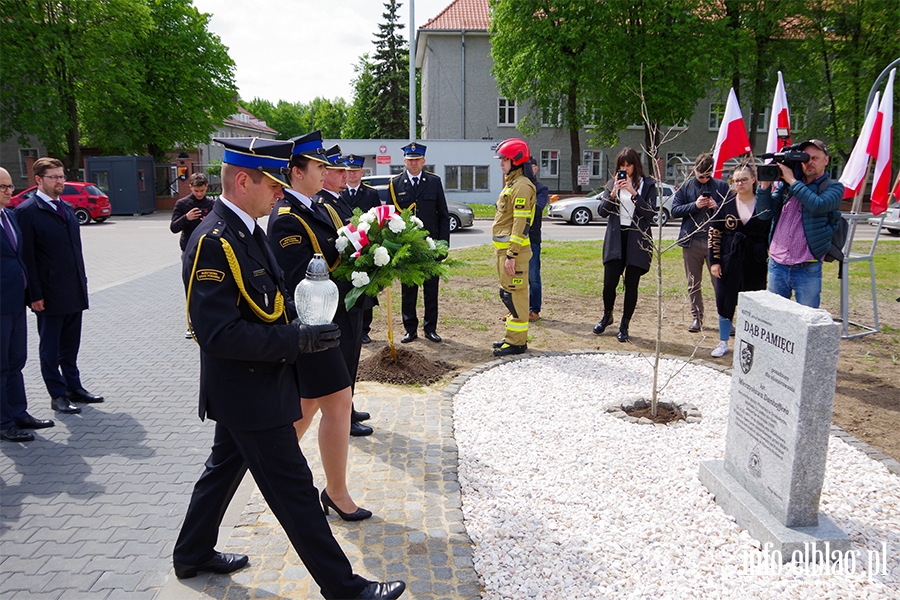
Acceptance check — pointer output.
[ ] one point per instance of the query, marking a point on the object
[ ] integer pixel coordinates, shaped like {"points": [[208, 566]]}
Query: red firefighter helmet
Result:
{"points": [[515, 150]]}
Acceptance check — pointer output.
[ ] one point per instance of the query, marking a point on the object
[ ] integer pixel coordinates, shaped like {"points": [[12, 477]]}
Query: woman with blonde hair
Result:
{"points": [[738, 250]]}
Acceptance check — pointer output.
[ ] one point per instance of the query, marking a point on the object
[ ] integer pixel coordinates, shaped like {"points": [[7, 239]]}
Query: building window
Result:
{"points": [[466, 178], [716, 112], [592, 158], [762, 123], [549, 163], [23, 154], [507, 112], [551, 116], [672, 162]]}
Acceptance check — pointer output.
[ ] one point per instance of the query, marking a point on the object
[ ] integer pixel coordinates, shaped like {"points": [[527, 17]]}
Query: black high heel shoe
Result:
{"points": [[359, 514]]}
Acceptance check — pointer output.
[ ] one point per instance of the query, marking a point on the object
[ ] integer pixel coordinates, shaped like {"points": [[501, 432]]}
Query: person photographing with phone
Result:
{"points": [[696, 203], [629, 202]]}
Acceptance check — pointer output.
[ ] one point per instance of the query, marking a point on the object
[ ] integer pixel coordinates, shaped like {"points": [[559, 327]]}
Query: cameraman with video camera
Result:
{"points": [[801, 208]]}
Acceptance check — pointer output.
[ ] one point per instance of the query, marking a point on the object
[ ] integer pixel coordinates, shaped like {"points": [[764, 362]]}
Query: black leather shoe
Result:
{"points": [[696, 325], [63, 405], [220, 563], [622, 336], [14, 434], [408, 337], [357, 429], [498, 344], [603, 323], [30, 422], [359, 415], [82, 395], [360, 514], [432, 336], [366, 339], [509, 349], [385, 590]]}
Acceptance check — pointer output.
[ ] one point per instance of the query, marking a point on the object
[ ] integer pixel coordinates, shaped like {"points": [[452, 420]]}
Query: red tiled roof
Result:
{"points": [[253, 122], [462, 14]]}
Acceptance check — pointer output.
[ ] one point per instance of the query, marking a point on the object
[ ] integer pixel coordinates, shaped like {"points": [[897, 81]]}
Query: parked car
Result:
{"points": [[584, 209], [461, 215], [86, 198], [891, 218]]}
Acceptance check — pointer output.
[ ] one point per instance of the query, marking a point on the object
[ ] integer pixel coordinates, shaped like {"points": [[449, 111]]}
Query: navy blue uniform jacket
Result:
{"points": [[247, 376]]}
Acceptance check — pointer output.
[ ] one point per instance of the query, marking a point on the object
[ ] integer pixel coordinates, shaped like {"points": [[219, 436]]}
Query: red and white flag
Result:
{"points": [[880, 148], [780, 118], [855, 169], [732, 140]]}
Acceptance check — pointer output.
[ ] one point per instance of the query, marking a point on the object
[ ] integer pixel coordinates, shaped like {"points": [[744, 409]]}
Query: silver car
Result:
{"points": [[891, 218], [461, 215], [584, 209]]}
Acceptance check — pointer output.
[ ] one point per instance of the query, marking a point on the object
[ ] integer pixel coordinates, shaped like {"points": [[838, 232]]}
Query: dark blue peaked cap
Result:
{"points": [[310, 146], [413, 150], [335, 159], [269, 156], [353, 162]]}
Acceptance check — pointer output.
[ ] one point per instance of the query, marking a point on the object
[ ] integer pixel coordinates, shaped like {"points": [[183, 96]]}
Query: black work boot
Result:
{"points": [[508, 349], [601, 325], [623, 330]]}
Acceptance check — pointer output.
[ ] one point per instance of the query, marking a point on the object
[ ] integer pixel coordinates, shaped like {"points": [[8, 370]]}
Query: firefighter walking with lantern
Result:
{"points": [[515, 213]]}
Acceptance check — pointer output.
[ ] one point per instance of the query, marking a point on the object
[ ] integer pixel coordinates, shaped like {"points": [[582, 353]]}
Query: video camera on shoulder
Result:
{"points": [[790, 156]]}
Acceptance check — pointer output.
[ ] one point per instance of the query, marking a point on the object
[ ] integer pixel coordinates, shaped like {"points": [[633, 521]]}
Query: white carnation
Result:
{"points": [[417, 221], [381, 256], [431, 243], [341, 243], [396, 224], [359, 279], [368, 217], [363, 226]]}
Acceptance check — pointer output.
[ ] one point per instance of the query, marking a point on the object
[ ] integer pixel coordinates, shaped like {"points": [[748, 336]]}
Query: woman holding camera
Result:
{"points": [[629, 202], [738, 250]]}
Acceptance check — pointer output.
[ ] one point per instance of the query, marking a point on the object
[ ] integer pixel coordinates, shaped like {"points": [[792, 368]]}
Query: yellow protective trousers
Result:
{"points": [[514, 294]]}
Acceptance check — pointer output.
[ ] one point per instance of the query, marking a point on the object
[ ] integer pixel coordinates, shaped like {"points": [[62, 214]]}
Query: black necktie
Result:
{"points": [[60, 209], [353, 193], [415, 183], [7, 227]]}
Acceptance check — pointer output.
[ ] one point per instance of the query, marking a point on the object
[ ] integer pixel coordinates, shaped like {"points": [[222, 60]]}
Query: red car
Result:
{"points": [[87, 199]]}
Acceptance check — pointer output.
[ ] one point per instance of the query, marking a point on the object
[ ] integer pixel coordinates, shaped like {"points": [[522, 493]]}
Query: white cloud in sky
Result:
{"points": [[296, 50]]}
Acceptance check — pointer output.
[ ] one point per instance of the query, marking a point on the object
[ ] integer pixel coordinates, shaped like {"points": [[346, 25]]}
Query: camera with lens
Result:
{"points": [[790, 156]]}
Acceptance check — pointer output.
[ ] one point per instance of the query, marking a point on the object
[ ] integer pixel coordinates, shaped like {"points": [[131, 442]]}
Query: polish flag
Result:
{"points": [[359, 239], [780, 117], [383, 212], [880, 148], [732, 140], [855, 170]]}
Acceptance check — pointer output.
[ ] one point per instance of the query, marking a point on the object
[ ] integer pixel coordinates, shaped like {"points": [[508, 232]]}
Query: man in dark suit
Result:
{"points": [[14, 417], [57, 284], [361, 196], [249, 339], [422, 192]]}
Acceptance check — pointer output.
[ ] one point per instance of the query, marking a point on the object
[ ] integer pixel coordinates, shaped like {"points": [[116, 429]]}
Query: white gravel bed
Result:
{"points": [[564, 501]]}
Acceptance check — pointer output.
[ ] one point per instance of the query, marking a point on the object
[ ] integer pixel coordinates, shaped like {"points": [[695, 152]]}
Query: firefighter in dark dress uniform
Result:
{"points": [[329, 197], [422, 192], [361, 196], [249, 340]]}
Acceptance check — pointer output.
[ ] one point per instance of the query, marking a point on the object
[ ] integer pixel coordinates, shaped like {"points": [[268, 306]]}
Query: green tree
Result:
{"points": [[289, 120], [360, 123], [68, 67], [390, 69], [127, 76], [328, 115], [188, 85]]}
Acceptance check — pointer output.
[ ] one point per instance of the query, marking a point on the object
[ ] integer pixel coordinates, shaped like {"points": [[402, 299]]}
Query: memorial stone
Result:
{"points": [[779, 419]]}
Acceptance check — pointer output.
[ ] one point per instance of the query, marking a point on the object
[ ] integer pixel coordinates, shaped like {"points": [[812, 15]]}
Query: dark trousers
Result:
{"points": [[13, 352], [58, 350], [285, 481], [612, 272], [367, 321], [410, 293]]}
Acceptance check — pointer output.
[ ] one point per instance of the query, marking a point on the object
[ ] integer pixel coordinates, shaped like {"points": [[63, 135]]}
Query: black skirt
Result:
{"points": [[322, 373]]}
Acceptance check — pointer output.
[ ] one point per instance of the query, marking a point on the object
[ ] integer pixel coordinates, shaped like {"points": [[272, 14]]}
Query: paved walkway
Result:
{"points": [[91, 508]]}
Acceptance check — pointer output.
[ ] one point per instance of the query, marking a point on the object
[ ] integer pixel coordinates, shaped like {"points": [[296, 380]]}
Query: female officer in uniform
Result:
{"points": [[297, 230]]}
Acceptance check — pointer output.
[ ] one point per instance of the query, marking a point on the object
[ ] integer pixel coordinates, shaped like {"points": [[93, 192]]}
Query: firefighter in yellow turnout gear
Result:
{"points": [[515, 213]]}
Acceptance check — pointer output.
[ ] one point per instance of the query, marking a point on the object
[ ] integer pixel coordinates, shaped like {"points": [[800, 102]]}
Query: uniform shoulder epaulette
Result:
{"points": [[368, 186], [430, 173], [218, 229], [284, 210]]}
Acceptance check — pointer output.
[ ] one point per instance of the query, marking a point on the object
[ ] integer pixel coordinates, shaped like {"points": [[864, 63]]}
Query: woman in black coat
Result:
{"points": [[629, 202], [738, 250]]}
